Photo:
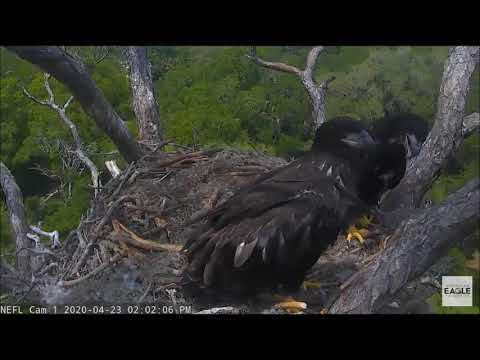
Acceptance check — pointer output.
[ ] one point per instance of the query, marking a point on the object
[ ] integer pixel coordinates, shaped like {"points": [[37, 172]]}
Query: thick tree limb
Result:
{"points": [[73, 129], [16, 210], [315, 92], [144, 103], [73, 73], [446, 135], [414, 247]]}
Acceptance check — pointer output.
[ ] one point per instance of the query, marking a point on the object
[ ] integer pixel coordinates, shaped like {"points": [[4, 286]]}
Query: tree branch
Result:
{"points": [[113, 168], [33, 98], [93, 170], [51, 99], [14, 201], [413, 248], [54, 236], [446, 135], [276, 65], [315, 92], [73, 73], [67, 103], [73, 129]]}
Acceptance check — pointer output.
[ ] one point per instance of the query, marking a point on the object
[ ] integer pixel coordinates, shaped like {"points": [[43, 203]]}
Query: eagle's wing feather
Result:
{"points": [[272, 222]]}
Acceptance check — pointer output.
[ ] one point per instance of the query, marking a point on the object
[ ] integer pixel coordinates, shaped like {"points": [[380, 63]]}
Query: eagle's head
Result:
{"points": [[406, 129], [346, 138]]}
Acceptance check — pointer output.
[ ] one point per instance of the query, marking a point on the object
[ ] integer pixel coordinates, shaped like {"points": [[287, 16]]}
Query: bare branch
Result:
{"points": [[413, 248], [67, 103], [446, 135], [51, 100], [14, 201], [93, 170], [30, 96], [74, 74], [73, 129], [53, 235], [113, 168], [112, 260], [471, 124], [315, 92], [49, 196], [275, 65]]}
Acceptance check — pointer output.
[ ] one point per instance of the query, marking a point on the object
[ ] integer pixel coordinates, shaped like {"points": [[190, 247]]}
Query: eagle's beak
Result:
{"points": [[359, 140]]}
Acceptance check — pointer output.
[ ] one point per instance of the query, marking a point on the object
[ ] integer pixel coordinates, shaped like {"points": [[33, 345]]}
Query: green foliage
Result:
{"points": [[64, 215], [389, 79]]}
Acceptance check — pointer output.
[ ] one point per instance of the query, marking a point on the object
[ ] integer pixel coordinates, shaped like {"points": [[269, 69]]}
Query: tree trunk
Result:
{"points": [[14, 201], [413, 248], [446, 135], [73, 73], [143, 96]]}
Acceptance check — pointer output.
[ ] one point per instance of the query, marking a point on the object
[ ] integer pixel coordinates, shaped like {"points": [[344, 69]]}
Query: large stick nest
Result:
{"points": [[125, 251]]}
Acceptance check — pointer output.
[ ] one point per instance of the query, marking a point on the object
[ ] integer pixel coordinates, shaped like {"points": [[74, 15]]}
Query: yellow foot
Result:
{"points": [[307, 284], [354, 233], [291, 305]]}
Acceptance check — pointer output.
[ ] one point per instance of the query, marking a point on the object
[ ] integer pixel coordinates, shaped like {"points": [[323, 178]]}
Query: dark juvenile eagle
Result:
{"points": [[268, 234], [407, 129], [400, 137]]}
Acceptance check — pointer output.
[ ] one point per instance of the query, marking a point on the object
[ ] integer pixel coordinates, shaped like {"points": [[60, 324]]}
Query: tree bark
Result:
{"points": [[16, 210], [446, 135], [413, 248], [143, 94], [73, 73]]}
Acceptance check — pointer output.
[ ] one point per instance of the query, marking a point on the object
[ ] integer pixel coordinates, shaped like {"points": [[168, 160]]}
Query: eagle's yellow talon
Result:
{"points": [[354, 233], [291, 305]]}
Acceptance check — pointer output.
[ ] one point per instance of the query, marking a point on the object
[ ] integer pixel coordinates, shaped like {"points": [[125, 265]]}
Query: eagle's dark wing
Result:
{"points": [[279, 224]]}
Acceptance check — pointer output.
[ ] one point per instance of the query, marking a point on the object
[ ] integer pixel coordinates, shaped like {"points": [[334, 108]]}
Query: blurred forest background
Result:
{"points": [[211, 96]]}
